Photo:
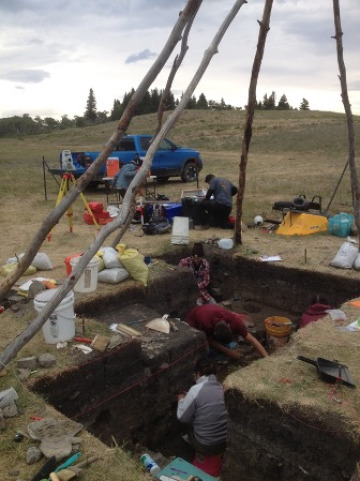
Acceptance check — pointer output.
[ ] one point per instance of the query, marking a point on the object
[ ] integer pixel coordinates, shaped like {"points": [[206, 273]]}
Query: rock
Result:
{"points": [[33, 455], [23, 374], [35, 288], [7, 397], [10, 411], [51, 427], [47, 360], [59, 446], [27, 363]]}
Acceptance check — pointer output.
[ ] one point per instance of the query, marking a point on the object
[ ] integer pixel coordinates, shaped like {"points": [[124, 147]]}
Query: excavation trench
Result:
{"points": [[128, 393]]}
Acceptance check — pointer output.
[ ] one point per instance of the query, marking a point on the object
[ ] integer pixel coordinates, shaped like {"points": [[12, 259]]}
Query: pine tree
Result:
{"points": [[304, 105], [283, 103], [116, 111], [202, 103], [90, 112]]}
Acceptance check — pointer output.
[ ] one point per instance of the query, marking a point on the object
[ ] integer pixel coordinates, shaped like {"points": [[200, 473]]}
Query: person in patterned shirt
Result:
{"points": [[200, 267]]}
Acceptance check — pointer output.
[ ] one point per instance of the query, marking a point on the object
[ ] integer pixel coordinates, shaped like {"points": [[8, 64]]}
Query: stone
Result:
{"points": [[10, 411], [51, 427], [47, 360], [33, 455], [23, 374], [27, 363], [59, 446], [35, 288], [7, 397]]}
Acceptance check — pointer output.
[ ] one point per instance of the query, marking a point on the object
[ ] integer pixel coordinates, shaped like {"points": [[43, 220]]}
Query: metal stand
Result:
{"points": [[66, 180]]}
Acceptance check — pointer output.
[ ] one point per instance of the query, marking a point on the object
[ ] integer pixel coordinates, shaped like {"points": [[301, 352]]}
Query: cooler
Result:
{"points": [[112, 166], [173, 209]]}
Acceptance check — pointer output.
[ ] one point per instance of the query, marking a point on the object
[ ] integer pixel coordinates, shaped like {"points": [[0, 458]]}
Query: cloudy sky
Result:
{"points": [[53, 52]]}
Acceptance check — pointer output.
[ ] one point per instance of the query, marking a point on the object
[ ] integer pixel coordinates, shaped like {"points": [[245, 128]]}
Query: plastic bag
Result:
{"points": [[110, 257], [345, 256], [41, 261], [113, 276], [7, 269], [134, 263], [357, 262]]}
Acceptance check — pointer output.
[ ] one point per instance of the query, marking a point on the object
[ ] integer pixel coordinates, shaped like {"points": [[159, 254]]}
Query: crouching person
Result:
{"points": [[203, 407]]}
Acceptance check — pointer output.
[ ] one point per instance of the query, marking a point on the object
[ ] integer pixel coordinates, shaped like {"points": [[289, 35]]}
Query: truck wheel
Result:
{"points": [[189, 172]]}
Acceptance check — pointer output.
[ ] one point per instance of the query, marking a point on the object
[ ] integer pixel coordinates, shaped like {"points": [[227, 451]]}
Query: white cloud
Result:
{"points": [[52, 53]]}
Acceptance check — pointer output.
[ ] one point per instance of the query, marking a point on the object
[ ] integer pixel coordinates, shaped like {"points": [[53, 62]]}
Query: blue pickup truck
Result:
{"points": [[170, 160]]}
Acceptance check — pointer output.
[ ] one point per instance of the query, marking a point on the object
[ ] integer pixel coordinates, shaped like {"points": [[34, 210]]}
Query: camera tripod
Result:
{"points": [[65, 185]]}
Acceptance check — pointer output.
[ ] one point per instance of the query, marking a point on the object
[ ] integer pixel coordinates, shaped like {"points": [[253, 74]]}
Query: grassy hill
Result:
{"points": [[291, 153]]}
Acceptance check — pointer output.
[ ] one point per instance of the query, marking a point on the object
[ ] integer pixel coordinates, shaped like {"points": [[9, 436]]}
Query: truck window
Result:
{"points": [[145, 142], [166, 145], [127, 145]]}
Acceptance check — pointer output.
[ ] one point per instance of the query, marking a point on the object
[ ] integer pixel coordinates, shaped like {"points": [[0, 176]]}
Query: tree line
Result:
{"points": [[26, 125]]}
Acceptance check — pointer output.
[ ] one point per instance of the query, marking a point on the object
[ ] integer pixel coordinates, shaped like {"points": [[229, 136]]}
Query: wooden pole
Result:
{"points": [[264, 28], [349, 117], [55, 215], [128, 208]]}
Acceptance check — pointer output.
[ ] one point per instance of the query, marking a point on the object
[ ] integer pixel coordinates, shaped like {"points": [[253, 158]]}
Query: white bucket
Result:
{"points": [[88, 280], [180, 230], [60, 326]]}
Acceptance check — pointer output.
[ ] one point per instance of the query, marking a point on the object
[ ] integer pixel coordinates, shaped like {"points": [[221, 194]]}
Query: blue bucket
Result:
{"points": [[340, 224]]}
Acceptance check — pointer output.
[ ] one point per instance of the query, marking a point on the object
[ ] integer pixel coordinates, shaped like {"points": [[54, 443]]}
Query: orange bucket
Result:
{"points": [[278, 330]]}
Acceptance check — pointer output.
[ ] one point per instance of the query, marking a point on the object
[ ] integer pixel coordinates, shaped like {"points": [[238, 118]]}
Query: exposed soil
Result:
{"points": [[310, 254]]}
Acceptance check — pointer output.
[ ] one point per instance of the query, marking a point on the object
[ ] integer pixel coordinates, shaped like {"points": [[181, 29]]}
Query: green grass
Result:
{"points": [[291, 152]]}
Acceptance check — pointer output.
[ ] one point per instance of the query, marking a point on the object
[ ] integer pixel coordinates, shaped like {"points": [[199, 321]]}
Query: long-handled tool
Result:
{"points": [[71, 472]]}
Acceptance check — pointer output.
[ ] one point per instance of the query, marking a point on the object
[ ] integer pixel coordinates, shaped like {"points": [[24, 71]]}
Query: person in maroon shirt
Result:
{"points": [[220, 326]]}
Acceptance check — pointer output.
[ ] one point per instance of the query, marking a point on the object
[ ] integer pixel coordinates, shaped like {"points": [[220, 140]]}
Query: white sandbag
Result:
{"points": [[41, 261], [345, 256], [357, 262], [113, 276], [111, 257]]}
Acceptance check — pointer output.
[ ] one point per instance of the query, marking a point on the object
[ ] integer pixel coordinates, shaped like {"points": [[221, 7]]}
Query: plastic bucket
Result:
{"points": [[60, 326], [180, 230], [278, 330], [67, 262], [340, 224], [88, 280], [209, 464]]}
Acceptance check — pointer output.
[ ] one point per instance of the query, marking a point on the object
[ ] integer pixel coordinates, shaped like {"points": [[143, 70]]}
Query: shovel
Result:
{"points": [[71, 472], [330, 371]]}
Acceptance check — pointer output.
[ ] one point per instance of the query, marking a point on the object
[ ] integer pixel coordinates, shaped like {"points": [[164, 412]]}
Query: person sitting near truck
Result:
{"points": [[215, 209], [125, 175]]}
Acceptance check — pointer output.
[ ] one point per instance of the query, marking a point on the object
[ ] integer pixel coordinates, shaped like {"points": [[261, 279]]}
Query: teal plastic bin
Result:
{"points": [[340, 224]]}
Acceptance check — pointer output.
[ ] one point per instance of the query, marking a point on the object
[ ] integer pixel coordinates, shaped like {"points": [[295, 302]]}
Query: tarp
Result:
{"points": [[302, 223]]}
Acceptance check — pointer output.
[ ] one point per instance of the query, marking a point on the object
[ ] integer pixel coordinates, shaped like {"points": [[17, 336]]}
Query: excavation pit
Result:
{"points": [[128, 394]]}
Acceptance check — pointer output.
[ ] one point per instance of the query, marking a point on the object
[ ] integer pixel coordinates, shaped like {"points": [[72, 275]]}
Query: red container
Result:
{"points": [[99, 216], [67, 262], [209, 464], [96, 206]]}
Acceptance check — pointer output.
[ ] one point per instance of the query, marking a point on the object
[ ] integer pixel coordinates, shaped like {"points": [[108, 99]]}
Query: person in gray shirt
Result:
{"points": [[215, 209], [203, 407]]}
